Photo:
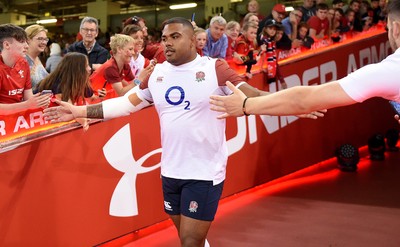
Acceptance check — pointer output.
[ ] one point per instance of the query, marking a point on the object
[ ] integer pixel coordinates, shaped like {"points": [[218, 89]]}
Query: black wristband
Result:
{"points": [[244, 107]]}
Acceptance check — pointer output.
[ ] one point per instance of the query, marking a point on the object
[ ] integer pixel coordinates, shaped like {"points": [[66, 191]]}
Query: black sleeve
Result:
{"points": [[308, 41], [103, 56], [285, 43], [72, 47]]}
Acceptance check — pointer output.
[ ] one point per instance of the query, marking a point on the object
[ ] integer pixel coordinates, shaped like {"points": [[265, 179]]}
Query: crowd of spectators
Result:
{"points": [[118, 61]]}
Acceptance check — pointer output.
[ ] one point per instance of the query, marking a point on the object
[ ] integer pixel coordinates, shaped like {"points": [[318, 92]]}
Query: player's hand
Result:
{"points": [[231, 105], [63, 113], [84, 122], [314, 114], [397, 117]]}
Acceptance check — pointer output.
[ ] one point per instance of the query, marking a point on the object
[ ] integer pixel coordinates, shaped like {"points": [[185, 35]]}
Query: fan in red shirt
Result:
{"points": [[15, 81], [246, 47]]}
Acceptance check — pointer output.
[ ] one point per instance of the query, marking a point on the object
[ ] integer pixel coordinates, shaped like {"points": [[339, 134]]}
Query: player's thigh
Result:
{"points": [[199, 199], [193, 230], [177, 220]]}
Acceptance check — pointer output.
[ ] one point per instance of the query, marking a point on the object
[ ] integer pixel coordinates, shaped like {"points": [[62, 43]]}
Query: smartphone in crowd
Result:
{"points": [[396, 106], [46, 92]]}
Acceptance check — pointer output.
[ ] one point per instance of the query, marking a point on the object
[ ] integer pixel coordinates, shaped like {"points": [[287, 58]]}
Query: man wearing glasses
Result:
{"points": [[291, 23], [97, 54]]}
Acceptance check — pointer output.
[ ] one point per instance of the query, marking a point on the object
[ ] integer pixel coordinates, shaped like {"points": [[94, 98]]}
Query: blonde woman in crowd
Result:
{"points": [[37, 42], [116, 75]]}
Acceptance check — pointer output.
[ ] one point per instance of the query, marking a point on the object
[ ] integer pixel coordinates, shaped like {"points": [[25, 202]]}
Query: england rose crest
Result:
{"points": [[200, 76], [193, 206]]}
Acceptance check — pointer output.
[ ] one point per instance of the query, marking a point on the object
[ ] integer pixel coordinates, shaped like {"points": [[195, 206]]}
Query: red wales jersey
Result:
{"points": [[13, 81], [109, 73]]}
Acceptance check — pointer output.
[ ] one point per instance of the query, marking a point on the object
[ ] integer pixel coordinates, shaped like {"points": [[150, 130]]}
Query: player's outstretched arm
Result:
{"points": [[112, 108], [66, 112]]}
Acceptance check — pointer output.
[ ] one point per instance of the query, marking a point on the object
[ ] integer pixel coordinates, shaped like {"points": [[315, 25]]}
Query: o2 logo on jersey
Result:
{"points": [[177, 90]]}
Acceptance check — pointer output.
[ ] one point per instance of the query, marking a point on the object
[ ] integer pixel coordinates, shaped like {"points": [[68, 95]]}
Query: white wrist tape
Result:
{"points": [[122, 106]]}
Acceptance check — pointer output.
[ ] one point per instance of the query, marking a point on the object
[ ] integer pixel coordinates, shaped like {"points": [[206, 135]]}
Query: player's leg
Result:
{"points": [[191, 205], [193, 232], [199, 203]]}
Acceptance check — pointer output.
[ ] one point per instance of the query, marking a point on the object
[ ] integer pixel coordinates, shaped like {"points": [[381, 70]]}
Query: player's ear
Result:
{"points": [[396, 29], [193, 41]]}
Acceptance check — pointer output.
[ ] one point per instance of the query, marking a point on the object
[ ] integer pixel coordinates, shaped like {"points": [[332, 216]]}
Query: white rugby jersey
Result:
{"points": [[193, 139], [380, 79]]}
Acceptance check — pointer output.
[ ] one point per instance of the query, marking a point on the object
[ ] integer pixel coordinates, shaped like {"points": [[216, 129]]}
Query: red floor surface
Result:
{"points": [[318, 206]]}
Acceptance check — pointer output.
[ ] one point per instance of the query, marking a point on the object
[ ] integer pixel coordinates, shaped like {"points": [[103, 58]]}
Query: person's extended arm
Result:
{"points": [[292, 101], [31, 102], [108, 109]]}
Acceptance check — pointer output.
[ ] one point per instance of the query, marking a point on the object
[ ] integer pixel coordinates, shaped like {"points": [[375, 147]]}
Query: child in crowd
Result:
{"points": [[268, 40], [201, 39], [278, 76], [246, 47], [232, 31], [350, 16], [302, 34]]}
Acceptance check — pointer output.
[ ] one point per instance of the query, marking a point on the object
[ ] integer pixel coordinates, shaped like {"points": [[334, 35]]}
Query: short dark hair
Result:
{"points": [[337, 1], [180, 20], [322, 6], [11, 31], [393, 8]]}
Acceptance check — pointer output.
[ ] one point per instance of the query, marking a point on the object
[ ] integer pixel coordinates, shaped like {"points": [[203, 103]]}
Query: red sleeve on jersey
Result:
{"points": [[225, 73], [111, 74]]}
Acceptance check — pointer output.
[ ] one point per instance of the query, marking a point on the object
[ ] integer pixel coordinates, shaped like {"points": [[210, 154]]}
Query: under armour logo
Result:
{"points": [[118, 152]]}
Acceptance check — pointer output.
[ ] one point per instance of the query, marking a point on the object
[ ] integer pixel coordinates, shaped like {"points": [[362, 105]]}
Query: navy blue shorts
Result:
{"points": [[196, 199]]}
